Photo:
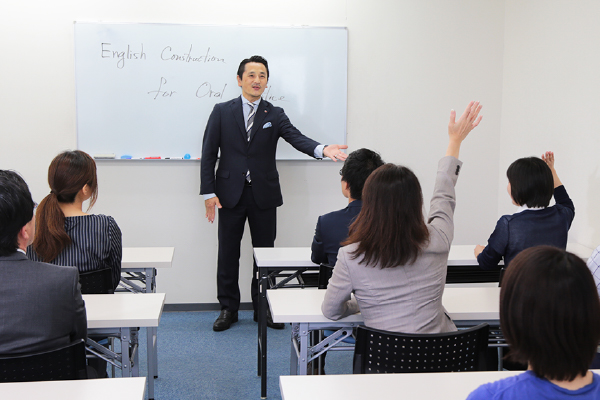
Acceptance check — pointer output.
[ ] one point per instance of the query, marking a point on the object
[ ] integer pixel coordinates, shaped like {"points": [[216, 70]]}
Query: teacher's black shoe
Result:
{"points": [[226, 318], [270, 322]]}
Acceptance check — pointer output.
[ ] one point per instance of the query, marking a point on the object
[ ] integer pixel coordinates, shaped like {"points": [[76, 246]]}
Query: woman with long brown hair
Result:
{"points": [[393, 261], [65, 234]]}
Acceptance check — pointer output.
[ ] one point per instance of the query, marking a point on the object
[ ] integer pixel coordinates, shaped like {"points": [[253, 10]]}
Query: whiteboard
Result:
{"points": [[148, 89]]}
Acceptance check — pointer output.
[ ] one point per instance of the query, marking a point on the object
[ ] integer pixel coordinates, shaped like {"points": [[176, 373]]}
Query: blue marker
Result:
{"points": [[126, 157], [187, 156]]}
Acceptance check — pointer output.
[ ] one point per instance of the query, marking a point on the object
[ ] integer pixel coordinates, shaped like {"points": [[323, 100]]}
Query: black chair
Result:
{"points": [[325, 272], [96, 282], [380, 351], [65, 363]]}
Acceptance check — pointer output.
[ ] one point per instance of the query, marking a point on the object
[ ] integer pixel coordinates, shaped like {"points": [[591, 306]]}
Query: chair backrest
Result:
{"points": [[325, 272], [380, 351], [65, 363], [96, 282]]}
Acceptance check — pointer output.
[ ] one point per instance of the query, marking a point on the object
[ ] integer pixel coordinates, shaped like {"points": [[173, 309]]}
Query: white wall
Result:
{"points": [[551, 100], [410, 62]]}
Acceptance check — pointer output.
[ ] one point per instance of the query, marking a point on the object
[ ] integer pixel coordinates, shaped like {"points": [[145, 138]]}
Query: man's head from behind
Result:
{"points": [[357, 168], [16, 211]]}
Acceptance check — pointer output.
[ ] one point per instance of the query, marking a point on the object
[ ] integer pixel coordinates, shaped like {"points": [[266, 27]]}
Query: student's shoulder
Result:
{"points": [[505, 389], [332, 216], [106, 219], [51, 271]]}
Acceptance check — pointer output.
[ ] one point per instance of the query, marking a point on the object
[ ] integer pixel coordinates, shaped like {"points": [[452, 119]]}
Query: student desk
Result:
{"points": [[122, 314], [84, 389], [423, 386], [467, 306], [463, 267], [140, 264]]}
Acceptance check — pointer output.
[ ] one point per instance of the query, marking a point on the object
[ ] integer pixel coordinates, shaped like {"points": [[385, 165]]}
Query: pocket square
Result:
{"points": [[267, 125]]}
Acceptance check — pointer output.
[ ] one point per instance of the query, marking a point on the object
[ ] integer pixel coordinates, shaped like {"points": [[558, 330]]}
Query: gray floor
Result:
{"points": [[197, 363]]}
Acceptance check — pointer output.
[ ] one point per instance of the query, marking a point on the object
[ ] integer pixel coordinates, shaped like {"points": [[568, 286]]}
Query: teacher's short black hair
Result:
{"points": [[531, 182], [357, 168], [256, 59], [16, 210], [550, 312]]}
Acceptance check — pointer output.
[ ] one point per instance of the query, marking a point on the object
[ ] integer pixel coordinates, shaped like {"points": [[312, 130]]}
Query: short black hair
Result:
{"points": [[531, 182], [357, 168], [255, 59], [16, 210], [550, 312]]}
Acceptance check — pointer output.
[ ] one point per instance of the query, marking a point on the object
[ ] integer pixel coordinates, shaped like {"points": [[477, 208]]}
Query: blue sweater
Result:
{"points": [[528, 386], [529, 228]]}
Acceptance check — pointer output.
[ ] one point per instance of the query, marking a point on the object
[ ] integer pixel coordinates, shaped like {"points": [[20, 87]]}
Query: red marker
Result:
{"points": [[151, 158]]}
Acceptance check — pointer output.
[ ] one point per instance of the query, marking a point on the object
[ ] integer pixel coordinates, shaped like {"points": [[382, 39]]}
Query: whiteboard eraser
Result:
{"points": [[104, 156]]}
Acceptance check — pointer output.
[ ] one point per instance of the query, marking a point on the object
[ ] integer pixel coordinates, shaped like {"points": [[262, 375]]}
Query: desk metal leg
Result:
{"points": [[125, 349], [151, 332], [303, 336], [294, 353], [262, 332]]}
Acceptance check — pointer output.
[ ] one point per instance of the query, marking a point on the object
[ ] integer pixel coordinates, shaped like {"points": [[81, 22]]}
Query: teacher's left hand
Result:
{"points": [[334, 151]]}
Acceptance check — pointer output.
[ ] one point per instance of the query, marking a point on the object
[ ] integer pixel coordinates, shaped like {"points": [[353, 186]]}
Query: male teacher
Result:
{"points": [[246, 182]]}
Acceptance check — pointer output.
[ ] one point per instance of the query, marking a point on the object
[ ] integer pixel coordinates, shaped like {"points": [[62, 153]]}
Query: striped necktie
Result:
{"points": [[249, 124], [250, 121]]}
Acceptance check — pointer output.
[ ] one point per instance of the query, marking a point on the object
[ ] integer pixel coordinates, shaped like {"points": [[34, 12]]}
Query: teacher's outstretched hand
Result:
{"points": [[458, 130], [210, 205], [334, 151]]}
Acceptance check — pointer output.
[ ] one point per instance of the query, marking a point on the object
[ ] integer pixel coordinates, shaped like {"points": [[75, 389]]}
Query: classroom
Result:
{"points": [[531, 63]]}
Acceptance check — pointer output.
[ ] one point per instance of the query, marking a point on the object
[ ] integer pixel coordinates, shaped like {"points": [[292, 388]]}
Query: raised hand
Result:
{"points": [[458, 130], [548, 158]]}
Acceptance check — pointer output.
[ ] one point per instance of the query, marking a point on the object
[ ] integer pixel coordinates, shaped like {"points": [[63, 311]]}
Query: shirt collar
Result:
{"points": [[524, 207], [246, 101], [22, 251]]}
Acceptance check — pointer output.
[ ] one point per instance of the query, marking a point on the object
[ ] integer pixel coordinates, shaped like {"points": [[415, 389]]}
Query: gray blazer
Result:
{"points": [[41, 307], [406, 298]]}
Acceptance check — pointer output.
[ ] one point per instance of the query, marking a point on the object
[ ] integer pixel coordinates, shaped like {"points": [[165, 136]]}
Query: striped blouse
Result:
{"points": [[96, 244]]}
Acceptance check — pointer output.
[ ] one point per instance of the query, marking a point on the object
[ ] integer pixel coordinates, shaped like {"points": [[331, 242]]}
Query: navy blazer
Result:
{"points": [[226, 131], [41, 307], [332, 229]]}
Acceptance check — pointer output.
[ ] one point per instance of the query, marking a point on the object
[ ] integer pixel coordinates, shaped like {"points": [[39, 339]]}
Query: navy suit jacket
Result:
{"points": [[226, 131], [41, 307], [332, 229]]}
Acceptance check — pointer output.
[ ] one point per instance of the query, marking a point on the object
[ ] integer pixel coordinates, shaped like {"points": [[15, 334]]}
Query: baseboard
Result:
{"points": [[202, 307]]}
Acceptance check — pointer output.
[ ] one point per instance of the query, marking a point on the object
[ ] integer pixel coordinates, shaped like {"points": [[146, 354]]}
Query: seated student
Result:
{"points": [[531, 183], [65, 234], [41, 307], [594, 266], [550, 316], [332, 228], [393, 261]]}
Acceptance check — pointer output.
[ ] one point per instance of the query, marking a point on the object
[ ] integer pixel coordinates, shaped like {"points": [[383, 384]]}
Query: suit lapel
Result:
{"points": [[261, 113], [238, 114]]}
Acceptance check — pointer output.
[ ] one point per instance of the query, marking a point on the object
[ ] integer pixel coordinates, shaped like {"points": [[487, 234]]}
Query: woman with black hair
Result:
{"points": [[550, 317]]}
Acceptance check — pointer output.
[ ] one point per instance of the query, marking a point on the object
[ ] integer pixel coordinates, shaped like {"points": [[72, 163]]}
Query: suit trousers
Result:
{"points": [[263, 227]]}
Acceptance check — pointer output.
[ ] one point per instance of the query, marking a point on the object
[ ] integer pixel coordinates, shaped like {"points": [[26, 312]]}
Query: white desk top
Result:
{"points": [[85, 389], [123, 310], [300, 256], [147, 257], [304, 305], [429, 386], [283, 257]]}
